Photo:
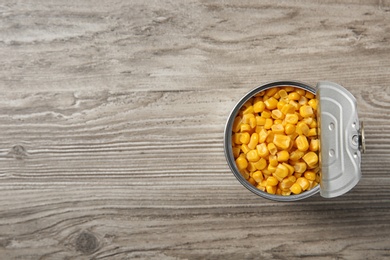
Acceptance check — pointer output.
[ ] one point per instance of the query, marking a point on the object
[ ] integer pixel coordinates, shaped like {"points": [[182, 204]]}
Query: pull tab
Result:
{"points": [[341, 139]]}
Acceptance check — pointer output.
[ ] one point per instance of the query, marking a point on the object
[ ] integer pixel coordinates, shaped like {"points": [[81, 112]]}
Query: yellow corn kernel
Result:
{"points": [[302, 101], [281, 171], [236, 138], [262, 135], [258, 128], [236, 151], [292, 178], [306, 111], [296, 188], [257, 176], [251, 167], [300, 91], [278, 122], [270, 137], [294, 96], [241, 163], [245, 149], [252, 122], [313, 124], [254, 141], [260, 120], [283, 93], [262, 150], [303, 182], [258, 106], [245, 137], [268, 123], [273, 160], [271, 103], [291, 119], [271, 168], [246, 104], [289, 129], [262, 188], [309, 95], [266, 173], [236, 124], [283, 156], [312, 132], [248, 110], [302, 143], [266, 114], [285, 184], [296, 155], [302, 129], [246, 118], [278, 191], [288, 109], [272, 91], [314, 145], [272, 181], [277, 114], [245, 174], [300, 167], [252, 181], [272, 148], [290, 168], [252, 156], [311, 159], [260, 94], [289, 88], [277, 128], [308, 120], [282, 141], [260, 164], [309, 175], [276, 96], [286, 193], [294, 104], [271, 189], [281, 104], [263, 182], [245, 128], [313, 103]]}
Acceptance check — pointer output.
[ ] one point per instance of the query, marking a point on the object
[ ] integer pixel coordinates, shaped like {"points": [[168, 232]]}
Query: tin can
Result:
{"points": [[341, 140]]}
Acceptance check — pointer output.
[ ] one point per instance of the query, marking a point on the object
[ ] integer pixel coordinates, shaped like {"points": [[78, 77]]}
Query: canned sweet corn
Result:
{"points": [[287, 141]]}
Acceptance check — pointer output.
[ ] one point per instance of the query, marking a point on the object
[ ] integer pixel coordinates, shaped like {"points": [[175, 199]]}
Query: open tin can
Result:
{"points": [[340, 133]]}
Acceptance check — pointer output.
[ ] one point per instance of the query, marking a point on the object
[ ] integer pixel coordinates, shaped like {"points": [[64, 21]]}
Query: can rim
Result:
{"points": [[228, 141]]}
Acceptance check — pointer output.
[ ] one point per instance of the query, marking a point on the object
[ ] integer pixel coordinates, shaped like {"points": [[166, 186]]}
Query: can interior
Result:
{"points": [[228, 142]]}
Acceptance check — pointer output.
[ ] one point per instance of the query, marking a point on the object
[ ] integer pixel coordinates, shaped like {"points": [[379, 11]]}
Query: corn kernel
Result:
{"points": [[268, 123], [292, 178], [280, 105], [294, 96], [302, 143], [272, 148], [309, 95], [236, 151], [306, 111], [277, 129], [302, 101], [245, 128], [291, 119], [252, 156], [311, 159], [302, 128], [257, 176], [262, 135], [236, 124], [289, 89], [272, 181], [262, 150], [296, 155], [289, 129], [290, 168], [252, 181], [288, 109], [272, 91], [260, 120], [278, 191], [300, 167], [258, 106], [281, 171], [283, 156], [260, 164], [285, 184], [286, 193], [294, 104], [273, 160], [266, 114], [277, 114], [271, 168], [271, 189], [270, 137], [300, 91], [282, 141], [312, 132], [251, 167], [241, 163], [254, 141], [303, 182], [283, 93], [313, 103], [313, 124], [245, 149], [314, 145], [245, 174], [245, 137], [252, 122], [296, 188], [248, 110], [309, 175], [236, 138], [271, 103], [246, 118]]}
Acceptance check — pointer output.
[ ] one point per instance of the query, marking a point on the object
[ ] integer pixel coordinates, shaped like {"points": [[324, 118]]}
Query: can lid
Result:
{"points": [[341, 139]]}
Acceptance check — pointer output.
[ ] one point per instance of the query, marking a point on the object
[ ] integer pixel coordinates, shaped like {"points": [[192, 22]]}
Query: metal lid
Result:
{"points": [[341, 139]]}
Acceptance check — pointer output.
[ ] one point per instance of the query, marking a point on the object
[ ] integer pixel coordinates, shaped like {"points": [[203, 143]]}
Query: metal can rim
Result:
{"points": [[228, 141]]}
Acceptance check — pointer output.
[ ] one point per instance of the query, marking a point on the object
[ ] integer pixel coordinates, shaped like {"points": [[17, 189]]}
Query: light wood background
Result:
{"points": [[111, 127]]}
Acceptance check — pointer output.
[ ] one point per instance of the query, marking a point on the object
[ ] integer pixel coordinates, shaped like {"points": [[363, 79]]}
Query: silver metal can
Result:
{"points": [[341, 140]]}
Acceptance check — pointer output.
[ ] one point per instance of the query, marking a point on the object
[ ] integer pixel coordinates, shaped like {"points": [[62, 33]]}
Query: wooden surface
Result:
{"points": [[111, 128]]}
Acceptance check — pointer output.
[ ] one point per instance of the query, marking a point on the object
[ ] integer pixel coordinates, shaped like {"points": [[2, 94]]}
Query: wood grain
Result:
{"points": [[112, 116]]}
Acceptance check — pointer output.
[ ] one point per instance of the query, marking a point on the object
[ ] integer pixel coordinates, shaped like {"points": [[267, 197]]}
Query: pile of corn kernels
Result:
{"points": [[275, 141]]}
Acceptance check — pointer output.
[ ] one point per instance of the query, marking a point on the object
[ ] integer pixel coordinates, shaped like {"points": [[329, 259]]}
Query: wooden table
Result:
{"points": [[112, 119]]}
